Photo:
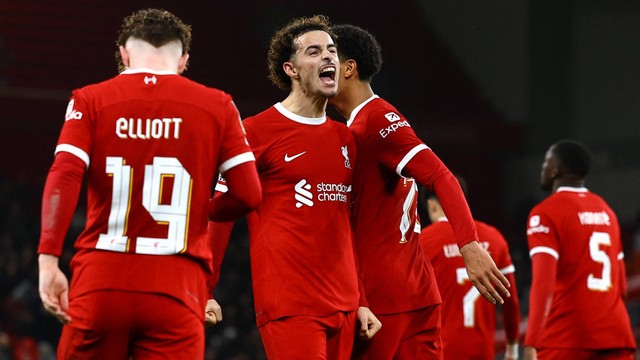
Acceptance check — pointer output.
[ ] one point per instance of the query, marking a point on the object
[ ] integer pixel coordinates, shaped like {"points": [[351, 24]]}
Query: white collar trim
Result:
{"points": [[580, 189], [359, 107], [148, 71], [297, 118]]}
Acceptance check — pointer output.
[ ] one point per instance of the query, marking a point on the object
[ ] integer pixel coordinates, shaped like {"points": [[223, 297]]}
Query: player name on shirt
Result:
{"points": [[452, 250], [164, 128], [594, 218]]}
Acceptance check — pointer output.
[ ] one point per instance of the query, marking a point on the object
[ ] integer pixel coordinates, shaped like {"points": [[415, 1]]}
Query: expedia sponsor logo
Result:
{"points": [[541, 229], [535, 227], [392, 116], [393, 127]]}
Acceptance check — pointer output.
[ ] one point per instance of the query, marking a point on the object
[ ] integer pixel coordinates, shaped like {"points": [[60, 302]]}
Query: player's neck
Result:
{"points": [[567, 182], [303, 105], [139, 54], [350, 97], [154, 63]]}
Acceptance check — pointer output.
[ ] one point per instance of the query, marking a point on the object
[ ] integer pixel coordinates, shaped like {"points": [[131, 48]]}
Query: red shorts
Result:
{"points": [[122, 324], [410, 335], [310, 337], [582, 354]]}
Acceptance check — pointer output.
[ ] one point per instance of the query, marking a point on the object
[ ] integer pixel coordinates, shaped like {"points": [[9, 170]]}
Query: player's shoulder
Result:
{"points": [[547, 204], [261, 118], [194, 88], [437, 232], [484, 227], [96, 87], [380, 109], [339, 126], [491, 234]]}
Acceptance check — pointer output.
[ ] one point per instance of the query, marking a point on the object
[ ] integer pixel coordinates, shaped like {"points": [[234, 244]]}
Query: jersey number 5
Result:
{"points": [[175, 214], [602, 283]]}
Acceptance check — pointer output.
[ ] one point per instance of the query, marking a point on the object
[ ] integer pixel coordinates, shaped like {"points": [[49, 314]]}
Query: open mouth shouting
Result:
{"points": [[328, 75]]}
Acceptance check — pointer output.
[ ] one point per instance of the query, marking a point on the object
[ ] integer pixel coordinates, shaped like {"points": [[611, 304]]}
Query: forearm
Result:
{"points": [[511, 313], [59, 200], [219, 235], [244, 194], [540, 298], [429, 171]]}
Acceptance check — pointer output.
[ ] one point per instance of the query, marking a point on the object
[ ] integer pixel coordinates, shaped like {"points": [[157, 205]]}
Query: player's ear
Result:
{"points": [[432, 205], [124, 54], [182, 64], [290, 70], [349, 68]]}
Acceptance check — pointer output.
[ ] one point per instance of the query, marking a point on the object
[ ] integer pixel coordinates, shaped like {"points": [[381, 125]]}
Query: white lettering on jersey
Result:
{"points": [[541, 229], [452, 250], [164, 128], [392, 128], [333, 192], [71, 113], [326, 192], [594, 218]]}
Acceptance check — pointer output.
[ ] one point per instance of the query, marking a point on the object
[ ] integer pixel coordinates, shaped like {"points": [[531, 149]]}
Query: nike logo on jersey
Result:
{"points": [[288, 158]]}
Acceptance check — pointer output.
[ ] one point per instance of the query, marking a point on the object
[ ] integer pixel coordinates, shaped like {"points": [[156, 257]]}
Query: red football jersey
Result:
{"points": [[302, 255], [469, 321], [396, 275], [581, 231], [153, 143]]}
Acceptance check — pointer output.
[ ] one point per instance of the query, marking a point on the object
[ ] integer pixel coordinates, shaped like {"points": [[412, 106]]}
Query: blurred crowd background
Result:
{"points": [[488, 85]]}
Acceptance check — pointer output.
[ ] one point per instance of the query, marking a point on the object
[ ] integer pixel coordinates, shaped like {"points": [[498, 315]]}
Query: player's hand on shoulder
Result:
{"points": [[212, 313], [484, 274], [368, 323]]}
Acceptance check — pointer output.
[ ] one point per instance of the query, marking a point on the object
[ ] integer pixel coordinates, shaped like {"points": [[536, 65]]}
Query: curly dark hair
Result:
{"points": [[282, 46], [155, 26], [358, 44]]}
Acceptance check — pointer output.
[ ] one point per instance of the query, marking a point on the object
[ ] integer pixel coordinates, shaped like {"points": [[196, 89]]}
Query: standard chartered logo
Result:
{"points": [[303, 195], [326, 192]]}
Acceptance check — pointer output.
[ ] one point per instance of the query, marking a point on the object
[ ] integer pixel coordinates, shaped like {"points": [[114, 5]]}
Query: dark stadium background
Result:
{"points": [[488, 85]]}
